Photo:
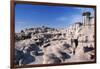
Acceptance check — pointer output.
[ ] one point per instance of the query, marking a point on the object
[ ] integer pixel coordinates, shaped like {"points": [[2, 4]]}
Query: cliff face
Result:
{"points": [[43, 45]]}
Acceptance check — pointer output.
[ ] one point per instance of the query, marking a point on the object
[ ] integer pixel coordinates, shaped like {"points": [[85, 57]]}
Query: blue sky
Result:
{"points": [[27, 15]]}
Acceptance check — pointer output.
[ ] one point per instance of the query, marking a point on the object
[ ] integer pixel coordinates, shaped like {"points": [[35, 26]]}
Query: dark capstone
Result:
{"points": [[92, 56], [55, 59], [66, 45], [18, 55], [65, 55], [47, 45], [33, 47], [87, 49], [27, 58], [86, 14]]}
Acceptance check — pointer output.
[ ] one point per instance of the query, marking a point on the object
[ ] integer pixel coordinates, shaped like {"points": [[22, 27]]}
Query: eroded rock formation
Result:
{"points": [[44, 45]]}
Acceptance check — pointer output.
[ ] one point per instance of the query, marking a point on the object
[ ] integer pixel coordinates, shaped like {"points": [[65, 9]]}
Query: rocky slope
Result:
{"points": [[44, 45]]}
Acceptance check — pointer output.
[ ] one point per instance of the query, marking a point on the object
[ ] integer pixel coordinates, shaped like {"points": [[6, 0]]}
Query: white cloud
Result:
{"points": [[79, 8], [62, 18], [20, 22], [76, 18]]}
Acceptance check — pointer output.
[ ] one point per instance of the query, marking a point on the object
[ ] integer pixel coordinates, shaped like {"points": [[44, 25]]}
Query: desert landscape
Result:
{"points": [[46, 45]]}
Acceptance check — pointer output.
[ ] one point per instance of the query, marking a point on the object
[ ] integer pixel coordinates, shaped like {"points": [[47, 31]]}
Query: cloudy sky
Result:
{"points": [[27, 15]]}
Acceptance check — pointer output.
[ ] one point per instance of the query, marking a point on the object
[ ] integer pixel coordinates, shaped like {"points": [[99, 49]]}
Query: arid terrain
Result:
{"points": [[45, 45]]}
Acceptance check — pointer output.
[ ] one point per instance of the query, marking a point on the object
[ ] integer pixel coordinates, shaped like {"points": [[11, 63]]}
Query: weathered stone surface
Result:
{"points": [[44, 45]]}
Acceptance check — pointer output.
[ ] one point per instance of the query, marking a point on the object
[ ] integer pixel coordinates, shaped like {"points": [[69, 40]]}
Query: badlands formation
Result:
{"points": [[44, 45]]}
